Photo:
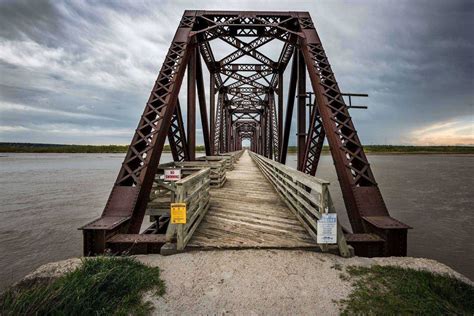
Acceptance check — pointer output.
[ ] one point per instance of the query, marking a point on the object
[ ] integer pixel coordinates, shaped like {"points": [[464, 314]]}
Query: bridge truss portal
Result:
{"points": [[247, 103]]}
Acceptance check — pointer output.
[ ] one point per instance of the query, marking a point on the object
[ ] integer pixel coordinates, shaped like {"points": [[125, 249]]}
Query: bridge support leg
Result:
{"points": [[301, 123], [212, 112], [191, 115], [364, 203], [289, 108], [202, 104], [280, 112]]}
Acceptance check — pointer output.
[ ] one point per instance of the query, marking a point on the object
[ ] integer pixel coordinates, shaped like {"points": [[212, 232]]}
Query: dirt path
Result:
{"points": [[253, 282], [256, 282]]}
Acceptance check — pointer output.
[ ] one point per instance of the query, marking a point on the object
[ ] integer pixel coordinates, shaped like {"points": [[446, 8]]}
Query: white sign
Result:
{"points": [[172, 174], [327, 229]]}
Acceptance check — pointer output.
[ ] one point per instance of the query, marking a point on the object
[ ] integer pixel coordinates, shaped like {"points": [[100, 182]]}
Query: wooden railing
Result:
{"points": [[194, 191], [307, 197], [234, 155], [218, 169], [163, 193], [227, 160]]}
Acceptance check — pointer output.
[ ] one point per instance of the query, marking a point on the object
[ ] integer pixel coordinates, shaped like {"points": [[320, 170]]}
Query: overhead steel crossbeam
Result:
{"points": [[246, 102]]}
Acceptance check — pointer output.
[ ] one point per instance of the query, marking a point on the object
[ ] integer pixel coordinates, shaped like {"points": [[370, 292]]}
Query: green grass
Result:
{"points": [[100, 286], [397, 291]]}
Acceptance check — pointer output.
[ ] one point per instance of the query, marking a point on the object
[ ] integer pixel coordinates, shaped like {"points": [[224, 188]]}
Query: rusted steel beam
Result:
{"points": [[301, 110], [274, 128], [314, 143], [177, 136], [202, 104], [289, 109], [191, 115], [269, 132], [280, 111], [218, 132], [212, 112]]}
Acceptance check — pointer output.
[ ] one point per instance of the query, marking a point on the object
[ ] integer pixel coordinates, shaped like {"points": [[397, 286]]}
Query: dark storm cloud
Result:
{"points": [[86, 67], [38, 20], [413, 58]]}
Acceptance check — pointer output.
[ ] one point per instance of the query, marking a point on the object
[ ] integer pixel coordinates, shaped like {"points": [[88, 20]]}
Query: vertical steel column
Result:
{"points": [[212, 112], [191, 115], [264, 133], [218, 124], [222, 129], [269, 130], [289, 108], [254, 141], [280, 111], [225, 128], [301, 123], [274, 126], [202, 103], [229, 130], [232, 140], [232, 143]]}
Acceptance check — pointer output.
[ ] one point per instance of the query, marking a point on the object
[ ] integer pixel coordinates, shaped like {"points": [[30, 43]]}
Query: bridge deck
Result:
{"points": [[247, 212]]}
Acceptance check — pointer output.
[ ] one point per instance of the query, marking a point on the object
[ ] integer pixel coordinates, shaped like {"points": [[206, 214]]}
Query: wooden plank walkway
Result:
{"points": [[248, 213]]}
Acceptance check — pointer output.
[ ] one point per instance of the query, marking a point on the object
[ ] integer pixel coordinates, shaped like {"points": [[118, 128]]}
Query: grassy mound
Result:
{"points": [[100, 286], [398, 291]]}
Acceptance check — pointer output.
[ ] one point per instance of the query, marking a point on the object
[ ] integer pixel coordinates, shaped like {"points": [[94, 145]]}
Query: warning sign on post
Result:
{"points": [[178, 213], [172, 174], [327, 229]]}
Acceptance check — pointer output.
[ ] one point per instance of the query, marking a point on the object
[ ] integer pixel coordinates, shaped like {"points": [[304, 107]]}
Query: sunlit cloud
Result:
{"points": [[30, 110], [458, 131]]}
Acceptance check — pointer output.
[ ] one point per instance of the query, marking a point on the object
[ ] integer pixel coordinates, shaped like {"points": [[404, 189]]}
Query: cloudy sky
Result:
{"points": [[81, 71]]}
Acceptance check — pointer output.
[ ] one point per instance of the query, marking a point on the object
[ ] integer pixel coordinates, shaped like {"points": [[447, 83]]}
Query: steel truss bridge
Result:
{"points": [[247, 102]]}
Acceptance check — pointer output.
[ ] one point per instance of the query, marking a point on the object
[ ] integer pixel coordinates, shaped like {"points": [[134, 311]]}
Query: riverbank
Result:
{"points": [[369, 149], [289, 282]]}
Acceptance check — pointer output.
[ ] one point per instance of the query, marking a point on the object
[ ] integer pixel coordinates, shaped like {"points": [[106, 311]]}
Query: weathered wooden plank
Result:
{"points": [[137, 238], [248, 212], [236, 235], [258, 220]]}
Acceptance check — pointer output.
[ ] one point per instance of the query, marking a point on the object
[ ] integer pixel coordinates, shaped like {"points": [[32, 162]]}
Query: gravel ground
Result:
{"points": [[254, 282]]}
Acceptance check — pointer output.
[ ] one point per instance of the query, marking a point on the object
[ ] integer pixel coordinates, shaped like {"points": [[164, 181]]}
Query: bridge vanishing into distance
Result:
{"points": [[244, 198]]}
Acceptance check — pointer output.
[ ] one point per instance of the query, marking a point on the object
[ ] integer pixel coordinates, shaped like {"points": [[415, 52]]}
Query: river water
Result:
{"points": [[44, 198]]}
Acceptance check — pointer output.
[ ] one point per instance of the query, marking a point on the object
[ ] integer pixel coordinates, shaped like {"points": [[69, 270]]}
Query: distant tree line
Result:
{"points": [[374, 149]]}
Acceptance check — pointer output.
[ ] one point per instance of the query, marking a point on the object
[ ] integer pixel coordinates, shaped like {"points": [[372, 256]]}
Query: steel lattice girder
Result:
{"points": [[246, 108]]}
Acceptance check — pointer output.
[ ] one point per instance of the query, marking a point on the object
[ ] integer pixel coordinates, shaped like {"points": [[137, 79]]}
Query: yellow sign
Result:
{"points": [[178, 213]]}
